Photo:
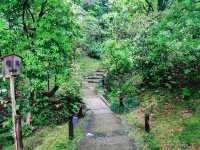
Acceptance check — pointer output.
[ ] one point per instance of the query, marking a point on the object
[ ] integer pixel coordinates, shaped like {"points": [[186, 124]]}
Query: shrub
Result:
{"points": [[191, 132], [129, 103], [171, 53], [152, 143], [95, 51]]}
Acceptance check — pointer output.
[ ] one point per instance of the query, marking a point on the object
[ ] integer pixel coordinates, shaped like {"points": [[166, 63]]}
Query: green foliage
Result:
{"points": [[95, 7], [162, 47], [117, 56], [191, 132], [92, 36], [45, 139], [172, 51], [131, 36], [5, 132], [44, 34], [186, 92], [115, 107], [152, 143], [47, 49], [95, 51], [88, 65], [130, 103]]}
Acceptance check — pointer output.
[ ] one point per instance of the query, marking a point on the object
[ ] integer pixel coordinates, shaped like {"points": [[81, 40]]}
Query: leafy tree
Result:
{"points": [[44, 34], [172, 52]]}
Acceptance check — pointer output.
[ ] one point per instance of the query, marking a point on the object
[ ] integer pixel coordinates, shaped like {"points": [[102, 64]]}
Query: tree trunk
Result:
{"points": [[52, 92]]}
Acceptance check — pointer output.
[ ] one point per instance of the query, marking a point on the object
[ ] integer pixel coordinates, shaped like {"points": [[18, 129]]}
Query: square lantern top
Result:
{"points": [[11, 65]]}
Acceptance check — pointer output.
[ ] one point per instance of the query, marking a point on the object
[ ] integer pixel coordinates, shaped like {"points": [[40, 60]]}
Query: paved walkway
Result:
{"points": [[103, 130]]}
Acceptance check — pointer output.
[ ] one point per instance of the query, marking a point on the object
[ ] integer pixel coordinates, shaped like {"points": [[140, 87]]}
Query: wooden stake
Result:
{"points": [[14, 115], [19, 131], [147, 125], [71, 128]]}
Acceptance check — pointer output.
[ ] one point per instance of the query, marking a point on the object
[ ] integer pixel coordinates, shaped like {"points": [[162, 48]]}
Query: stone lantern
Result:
{"points": [[11, 65]]}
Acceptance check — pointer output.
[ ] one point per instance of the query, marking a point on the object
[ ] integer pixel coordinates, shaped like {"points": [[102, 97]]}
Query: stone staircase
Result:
{"points": [[96, 77], [103, 130]]}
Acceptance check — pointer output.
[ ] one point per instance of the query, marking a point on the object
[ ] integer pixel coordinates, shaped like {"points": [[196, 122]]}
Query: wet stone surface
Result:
{"points": [[103, 129]]}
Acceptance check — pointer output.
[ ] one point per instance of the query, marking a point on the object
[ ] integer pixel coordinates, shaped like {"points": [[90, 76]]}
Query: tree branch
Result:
{"points": [[150, 7], [24, 6], [52, 92], [42, 10], [32, 16], [23, 20]]}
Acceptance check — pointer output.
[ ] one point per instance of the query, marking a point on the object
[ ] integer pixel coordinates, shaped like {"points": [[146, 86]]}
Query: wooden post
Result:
{"points": [[121, 103], [19, 131], [80, 113], [147, 126], [71, 128], [14, 115]]}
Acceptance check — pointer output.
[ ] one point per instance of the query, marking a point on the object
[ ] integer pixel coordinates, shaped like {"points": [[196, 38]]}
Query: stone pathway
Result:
{"points": [[103, 130]]}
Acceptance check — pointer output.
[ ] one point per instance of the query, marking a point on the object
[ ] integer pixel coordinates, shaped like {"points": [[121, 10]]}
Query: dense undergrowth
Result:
{"points": [[47, 90], [150, 50], [52, 138], [174, 124]]}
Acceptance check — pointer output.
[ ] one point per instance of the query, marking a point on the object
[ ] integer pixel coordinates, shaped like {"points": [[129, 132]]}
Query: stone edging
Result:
{"points": [[104, 100]]}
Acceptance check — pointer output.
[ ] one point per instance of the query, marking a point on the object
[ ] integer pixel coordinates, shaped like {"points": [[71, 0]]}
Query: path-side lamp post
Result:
{"points": [[11, 67]]}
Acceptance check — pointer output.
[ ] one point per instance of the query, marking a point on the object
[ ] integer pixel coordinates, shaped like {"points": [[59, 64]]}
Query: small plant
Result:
{"points": [[129, 103], [186, 92], [191, 132], [151, 142], [115, 106], [132, 102]]}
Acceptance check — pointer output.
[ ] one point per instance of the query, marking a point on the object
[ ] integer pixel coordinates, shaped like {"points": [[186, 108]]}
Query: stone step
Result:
{"points": [[100, 73], [94, 77], [93, 81], [106, 143], [106, 147], [101, 70]]}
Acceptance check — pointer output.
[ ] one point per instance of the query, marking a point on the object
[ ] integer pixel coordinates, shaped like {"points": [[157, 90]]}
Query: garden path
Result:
{"points": [[103, 129]]}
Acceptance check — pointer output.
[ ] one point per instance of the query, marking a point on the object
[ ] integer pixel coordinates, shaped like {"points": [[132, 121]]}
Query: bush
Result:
{"points": [[152, 143], [129, 102], [191, 132], [132, 102], [115, 107], [94, 51], [171, 52]]}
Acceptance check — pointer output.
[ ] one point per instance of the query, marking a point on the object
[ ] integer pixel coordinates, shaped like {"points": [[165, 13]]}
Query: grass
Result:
{"points": [[56, 138], [172, 127], [88, 65], [51, 138]]}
